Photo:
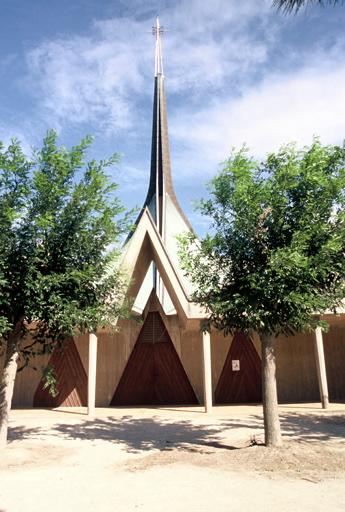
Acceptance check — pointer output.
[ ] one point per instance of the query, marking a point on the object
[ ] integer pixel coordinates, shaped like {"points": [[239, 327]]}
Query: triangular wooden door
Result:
{"points": [[71, 380], [240, 380], [154, 374]]}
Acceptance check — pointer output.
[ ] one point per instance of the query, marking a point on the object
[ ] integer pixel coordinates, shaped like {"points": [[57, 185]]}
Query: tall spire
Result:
{"points": [[157, 30], [160, 185], [161, 200]]}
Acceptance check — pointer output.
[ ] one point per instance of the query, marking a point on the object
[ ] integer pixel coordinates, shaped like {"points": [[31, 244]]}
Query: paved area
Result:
{"points": [[173, 459]]}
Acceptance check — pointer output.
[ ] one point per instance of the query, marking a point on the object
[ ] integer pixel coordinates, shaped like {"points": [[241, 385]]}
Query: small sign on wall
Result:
{"points": [[235, 365]]}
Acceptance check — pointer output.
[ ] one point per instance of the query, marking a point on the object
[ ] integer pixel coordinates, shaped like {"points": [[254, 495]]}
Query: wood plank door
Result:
{"points": [[71, 380], [154, 374], [240, 380]]}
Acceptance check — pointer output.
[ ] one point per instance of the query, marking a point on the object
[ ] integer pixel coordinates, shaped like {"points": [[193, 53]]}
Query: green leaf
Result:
{"points": [[276, 255]]}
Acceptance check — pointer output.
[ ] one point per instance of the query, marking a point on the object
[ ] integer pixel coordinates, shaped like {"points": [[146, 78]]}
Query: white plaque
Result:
{"points": [[235, 365]]}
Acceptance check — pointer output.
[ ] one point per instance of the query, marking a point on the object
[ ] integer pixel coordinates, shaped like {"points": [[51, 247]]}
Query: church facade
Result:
{"points": [[158, 357]]}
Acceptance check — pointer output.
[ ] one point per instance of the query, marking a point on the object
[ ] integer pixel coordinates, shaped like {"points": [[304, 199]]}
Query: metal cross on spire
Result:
{"points": [[157, 30]]}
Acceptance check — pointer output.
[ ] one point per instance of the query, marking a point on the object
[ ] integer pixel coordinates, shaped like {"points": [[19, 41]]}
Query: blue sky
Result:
{"points": [[236, 71]]}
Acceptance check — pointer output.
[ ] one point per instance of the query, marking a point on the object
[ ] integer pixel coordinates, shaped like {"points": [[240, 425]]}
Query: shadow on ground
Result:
{"points": [[141, 434], [20, 432], [317, 427]]}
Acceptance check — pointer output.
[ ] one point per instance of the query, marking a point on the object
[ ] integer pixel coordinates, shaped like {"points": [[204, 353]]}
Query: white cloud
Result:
{"points": [[209, 63], [77, 80], [282, 108], [102, 78], [214, 54]]}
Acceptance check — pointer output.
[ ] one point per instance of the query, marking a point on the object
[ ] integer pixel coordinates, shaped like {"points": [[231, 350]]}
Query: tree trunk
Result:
{"points": [[269, 390], [7, 382]]}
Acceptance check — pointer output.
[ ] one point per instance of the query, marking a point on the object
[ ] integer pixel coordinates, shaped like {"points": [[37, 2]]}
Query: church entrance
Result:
{"points": [[240, 380], [154, 374]]}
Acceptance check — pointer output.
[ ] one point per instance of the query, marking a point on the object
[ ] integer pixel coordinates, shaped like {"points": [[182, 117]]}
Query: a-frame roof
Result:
{"points": [[146, 245]]}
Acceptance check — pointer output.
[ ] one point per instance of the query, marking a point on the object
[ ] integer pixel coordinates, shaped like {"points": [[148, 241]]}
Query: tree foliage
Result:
{"points": [[59, 224], [275, 256], [289, 6]]}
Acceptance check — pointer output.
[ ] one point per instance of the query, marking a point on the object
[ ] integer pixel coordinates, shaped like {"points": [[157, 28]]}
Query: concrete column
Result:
{"points": [[321, 368], [91, 389], [207, 371]]}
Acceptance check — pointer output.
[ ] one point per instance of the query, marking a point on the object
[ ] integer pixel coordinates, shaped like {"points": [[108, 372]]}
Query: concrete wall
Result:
{"points": [[296, 369], [114, 350], [27, 381], [334, 347], [220, 346], [191, 357]]}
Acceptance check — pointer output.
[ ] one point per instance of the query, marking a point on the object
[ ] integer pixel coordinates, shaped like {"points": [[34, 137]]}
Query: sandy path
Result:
{"points": [[166, 460]]}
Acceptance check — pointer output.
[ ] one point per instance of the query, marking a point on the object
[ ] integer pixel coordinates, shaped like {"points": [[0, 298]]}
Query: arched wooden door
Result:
{"points": [[154, 374], [240, 380], [71, 380]]}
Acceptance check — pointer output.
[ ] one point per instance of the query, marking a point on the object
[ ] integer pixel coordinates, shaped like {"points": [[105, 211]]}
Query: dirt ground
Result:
{"points": [[173, 460]]}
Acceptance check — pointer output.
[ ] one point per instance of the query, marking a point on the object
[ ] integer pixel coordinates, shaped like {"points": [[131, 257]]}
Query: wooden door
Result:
{"points": [[154, 374], [71, 380], [240, 380]]}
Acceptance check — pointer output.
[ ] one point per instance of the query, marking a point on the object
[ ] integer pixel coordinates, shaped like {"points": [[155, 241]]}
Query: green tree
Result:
{"points": [[275, 255], [294, 5], [59, 224]]}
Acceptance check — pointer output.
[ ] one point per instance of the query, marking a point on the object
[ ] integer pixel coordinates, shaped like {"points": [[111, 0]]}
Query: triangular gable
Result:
{"points": [[71, 380], [146, 245], [240, 380], [154, 374]]}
